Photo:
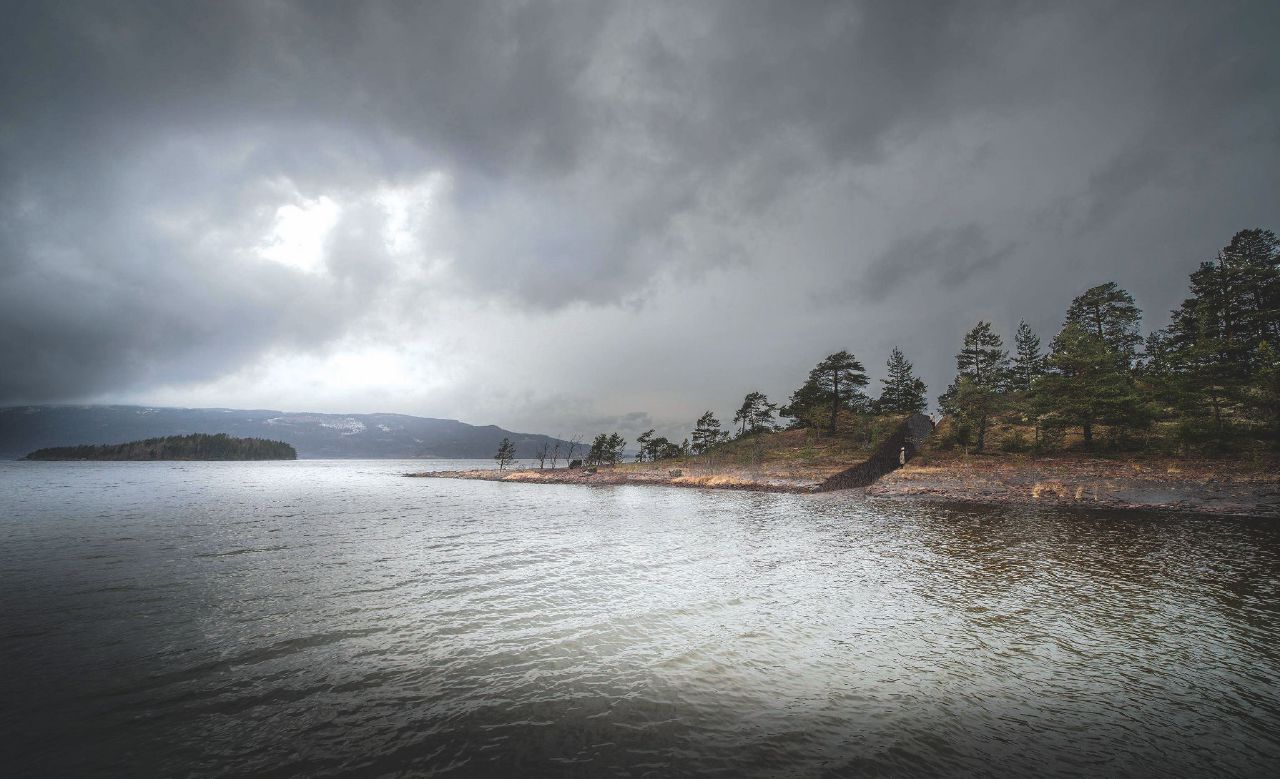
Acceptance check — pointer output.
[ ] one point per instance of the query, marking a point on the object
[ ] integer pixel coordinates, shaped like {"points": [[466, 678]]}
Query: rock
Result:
{"points": [[674, 472]]}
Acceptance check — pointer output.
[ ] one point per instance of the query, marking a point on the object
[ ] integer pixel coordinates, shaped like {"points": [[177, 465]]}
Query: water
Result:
{"points": [[326, 617]]}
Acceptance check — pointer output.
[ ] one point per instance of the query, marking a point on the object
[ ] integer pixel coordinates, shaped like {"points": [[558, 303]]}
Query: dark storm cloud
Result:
{"points": [[952, 255], [592, 151]]}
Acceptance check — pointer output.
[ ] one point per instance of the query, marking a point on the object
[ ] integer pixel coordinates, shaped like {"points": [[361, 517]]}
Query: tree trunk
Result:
{"points": [[835, 400], [1087, 427], [982, 434]]}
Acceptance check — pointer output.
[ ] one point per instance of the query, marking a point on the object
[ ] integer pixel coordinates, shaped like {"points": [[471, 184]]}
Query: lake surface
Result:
{"points": [[330, 617]]}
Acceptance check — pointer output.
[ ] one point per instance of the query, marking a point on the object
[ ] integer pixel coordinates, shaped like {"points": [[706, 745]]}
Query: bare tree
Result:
{"points": [[555, 455], [543, 452], [574, 443]]}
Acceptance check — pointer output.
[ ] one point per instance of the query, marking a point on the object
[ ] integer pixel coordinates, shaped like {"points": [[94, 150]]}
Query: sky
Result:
{"points": [[566, 217]]}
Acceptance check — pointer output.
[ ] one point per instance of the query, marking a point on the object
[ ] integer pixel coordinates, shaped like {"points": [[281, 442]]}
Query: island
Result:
{"points": [[197, 446]]}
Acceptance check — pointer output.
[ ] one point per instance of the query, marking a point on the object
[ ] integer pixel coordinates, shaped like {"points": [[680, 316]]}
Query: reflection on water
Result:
{"points": [[330, 617]]}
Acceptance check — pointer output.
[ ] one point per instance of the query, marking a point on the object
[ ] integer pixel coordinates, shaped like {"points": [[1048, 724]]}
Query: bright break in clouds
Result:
{"points": [[568, 217]]}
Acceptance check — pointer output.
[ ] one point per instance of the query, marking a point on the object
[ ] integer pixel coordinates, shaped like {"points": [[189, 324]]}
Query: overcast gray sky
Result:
{"points": [[569, 217]]}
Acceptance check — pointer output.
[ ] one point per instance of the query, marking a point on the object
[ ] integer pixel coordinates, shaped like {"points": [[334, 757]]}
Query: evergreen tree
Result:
{"points": [[835, 383], [983, 358], [808, 405], [1028, 362], [506, 453], [706, 433], [662, 449], [743, 413], [654, 448], [606, 449], [1212, 359], [1087, 385], [755, 414], [616, 444], [1109, 313], [903, 393], [643, 448], [1269, 390], [977, 393], [597, 454]]}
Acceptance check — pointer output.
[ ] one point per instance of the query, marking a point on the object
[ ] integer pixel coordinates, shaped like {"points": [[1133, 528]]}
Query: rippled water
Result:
{"points": [[320, 617]]}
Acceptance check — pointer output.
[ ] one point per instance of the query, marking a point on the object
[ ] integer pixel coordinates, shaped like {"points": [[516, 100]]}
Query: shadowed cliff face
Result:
{"points": [[892, 454]]}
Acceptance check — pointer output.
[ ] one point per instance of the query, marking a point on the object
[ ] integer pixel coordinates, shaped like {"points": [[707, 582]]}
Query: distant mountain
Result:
{"points": [[24, 429]]}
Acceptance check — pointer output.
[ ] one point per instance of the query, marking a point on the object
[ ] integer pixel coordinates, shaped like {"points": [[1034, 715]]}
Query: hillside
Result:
{"points": [[777, 461], [197, 446], [27, 428]]}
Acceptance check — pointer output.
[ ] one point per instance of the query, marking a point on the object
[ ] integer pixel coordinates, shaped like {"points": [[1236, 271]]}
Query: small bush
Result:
{"points": [[1014, 441]]}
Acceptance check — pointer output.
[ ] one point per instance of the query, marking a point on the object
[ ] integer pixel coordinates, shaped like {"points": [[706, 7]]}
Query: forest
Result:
{"points": [[197, 446], [1207, 384]]}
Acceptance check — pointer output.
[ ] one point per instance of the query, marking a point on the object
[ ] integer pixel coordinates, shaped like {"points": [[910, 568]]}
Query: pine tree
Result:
{"points": [[807, 405], [1212, 360], [642, 445], [606, 449], [706, 433], [835, 383], [983, 358], [1028, 362], [1087, 385], [616, 444], [742, 414], [903, 393], [755, 414], [1109, 313], [977, 393], [506, 453], [661, 448], [598, 453]]}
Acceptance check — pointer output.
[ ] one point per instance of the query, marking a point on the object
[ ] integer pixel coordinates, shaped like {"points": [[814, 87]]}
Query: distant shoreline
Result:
{"points": [[196, 447]]}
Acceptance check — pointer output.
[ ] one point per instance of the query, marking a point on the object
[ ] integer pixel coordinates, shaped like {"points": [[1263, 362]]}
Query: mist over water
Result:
{"points": [[323, 617]]}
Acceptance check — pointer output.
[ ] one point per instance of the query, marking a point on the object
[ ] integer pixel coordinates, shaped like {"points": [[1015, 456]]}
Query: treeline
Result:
{"points": [[1209, 382], [832, 391], [197, 446]]}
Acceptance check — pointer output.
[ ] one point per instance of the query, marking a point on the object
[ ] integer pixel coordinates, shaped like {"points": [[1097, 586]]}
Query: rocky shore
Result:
{"points": [[1202, 486], [759, 479]]}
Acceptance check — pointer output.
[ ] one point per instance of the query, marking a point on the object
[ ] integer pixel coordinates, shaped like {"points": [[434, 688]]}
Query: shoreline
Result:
{"points": [[723, 478], [1216, 487]]}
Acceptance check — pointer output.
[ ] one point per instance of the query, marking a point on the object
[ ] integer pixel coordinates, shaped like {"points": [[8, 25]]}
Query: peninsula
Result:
{"points": [[1185, 417], [802, 461], [197, 446]]}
